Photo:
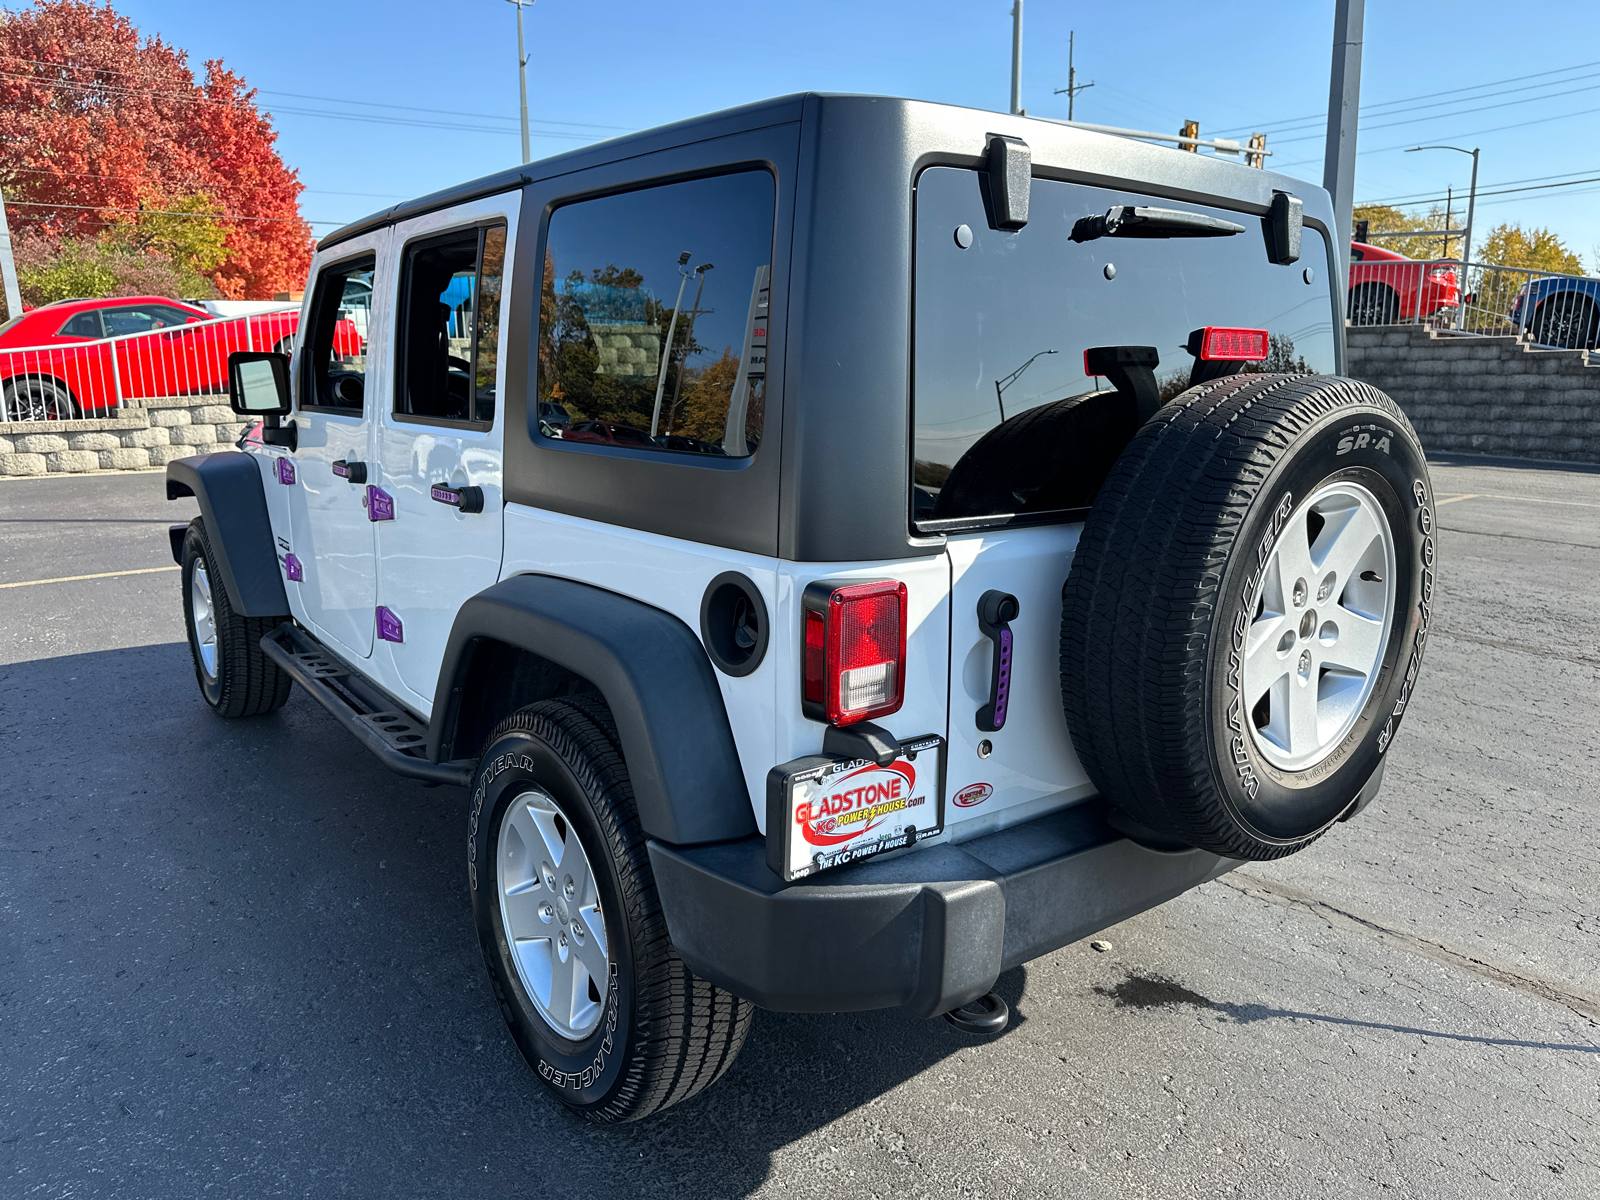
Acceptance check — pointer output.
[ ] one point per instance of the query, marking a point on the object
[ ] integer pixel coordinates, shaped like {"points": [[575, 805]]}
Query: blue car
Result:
{"points": [[1560, 310]]}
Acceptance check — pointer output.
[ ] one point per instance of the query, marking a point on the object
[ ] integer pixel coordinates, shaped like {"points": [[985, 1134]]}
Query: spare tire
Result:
{"points": [[1247, 609]]}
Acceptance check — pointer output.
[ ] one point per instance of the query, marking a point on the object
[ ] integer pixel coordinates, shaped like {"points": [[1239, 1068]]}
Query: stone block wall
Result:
{"points": [[1484, 395], [140, 439], [630, 350]]}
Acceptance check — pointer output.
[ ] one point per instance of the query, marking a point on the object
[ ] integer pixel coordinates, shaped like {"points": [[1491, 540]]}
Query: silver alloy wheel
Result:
{"points": [[1322, 613], [205, 621], [551, 910]]}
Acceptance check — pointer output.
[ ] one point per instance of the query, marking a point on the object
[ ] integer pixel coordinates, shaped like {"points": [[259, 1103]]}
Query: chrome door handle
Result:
{"points": [[355, 472], [464, 499]]}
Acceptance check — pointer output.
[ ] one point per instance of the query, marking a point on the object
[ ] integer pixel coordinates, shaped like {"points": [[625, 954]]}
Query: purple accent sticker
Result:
{"points": [[293, 569], [389, 627], [1002, 686], [285, 471], [380, 507]]}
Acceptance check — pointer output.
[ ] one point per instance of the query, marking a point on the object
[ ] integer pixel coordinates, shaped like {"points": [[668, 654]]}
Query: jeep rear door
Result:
{"points": [[439, 432], [1003, 320]]}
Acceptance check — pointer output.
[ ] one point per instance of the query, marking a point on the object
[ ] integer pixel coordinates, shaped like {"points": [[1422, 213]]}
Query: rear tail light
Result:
{"points": [[1442, 275], [854, 651], [1218, 343]]}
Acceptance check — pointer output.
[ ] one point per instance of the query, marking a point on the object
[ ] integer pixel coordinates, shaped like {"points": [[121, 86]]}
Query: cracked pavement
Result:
{"points": [[239, 959]]}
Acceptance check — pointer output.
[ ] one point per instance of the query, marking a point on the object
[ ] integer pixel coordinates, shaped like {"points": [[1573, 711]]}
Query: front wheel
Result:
{"points": [[594, 994], [235, 677]]}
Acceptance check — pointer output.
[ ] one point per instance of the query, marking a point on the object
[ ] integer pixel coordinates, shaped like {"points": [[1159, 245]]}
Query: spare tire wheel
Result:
{"points": [[1247, 609]]}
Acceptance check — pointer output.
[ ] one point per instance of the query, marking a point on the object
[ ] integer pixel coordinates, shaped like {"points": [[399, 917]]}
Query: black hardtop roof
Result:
{"points": [[1142, 160]]}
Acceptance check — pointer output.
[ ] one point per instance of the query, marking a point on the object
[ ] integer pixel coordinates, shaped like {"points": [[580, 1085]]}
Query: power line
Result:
{"points": [[151, 212], [1424, 197], [1582, 112], [1462, 112], [1371, 109], [1504, 191], [363, 118]]}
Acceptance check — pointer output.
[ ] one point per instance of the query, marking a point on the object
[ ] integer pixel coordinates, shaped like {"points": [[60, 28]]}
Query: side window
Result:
{"points": [[450, 339], [1355, 255], [85, 324], [141, 318], [653, 320], [336, 350]]}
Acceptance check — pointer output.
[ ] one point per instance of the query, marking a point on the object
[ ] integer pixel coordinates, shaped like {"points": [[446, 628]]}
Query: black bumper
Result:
{"points": [[927, 930]]}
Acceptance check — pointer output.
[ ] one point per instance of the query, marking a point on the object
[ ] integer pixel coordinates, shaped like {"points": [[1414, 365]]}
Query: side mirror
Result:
{"points": [[258, 383]]}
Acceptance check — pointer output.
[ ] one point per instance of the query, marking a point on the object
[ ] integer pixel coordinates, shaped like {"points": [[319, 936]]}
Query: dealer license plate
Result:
{"points": [[836, 811]]}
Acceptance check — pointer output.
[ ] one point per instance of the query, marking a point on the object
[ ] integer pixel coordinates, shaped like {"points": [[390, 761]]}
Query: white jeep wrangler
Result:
{"points": [[848, 547]]}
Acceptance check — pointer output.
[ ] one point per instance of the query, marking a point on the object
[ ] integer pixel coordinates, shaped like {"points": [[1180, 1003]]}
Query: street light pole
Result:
{"points": [[1472, 204], [1344, 100], [1016, 58], [522, 77]]}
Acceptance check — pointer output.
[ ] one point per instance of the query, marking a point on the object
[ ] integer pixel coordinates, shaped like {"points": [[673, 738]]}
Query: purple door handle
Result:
{"points": [[996, 611]]}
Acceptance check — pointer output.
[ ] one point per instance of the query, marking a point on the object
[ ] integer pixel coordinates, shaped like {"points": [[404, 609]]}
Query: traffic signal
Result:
{"points": [[1191, 129], [1361, 231]]}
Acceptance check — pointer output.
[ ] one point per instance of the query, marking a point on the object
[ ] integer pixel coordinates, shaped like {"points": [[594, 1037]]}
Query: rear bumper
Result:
{"points": [[927, 930]]}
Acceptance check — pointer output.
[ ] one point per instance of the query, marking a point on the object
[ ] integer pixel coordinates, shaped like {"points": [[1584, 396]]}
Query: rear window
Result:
{"points": [[1002, 326]]}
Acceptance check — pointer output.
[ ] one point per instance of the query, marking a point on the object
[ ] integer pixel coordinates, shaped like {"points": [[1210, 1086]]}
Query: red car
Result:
{"points": [[608, 433], [1386, 287], [56, 361]]}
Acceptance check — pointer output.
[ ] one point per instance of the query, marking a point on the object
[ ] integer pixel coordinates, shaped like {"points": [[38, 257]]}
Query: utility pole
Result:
{"points": [[522, 77], [1016, 59], [1344, 99], [8, 267], [1072, 89], [688, 340], [1472, 207]]}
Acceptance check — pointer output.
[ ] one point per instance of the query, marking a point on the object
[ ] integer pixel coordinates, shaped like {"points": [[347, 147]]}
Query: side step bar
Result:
{"points": [[394, 736]]}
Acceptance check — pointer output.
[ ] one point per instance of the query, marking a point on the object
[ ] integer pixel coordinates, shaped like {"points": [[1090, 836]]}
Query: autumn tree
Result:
{"points": [[1539, 249], [108, 143]]}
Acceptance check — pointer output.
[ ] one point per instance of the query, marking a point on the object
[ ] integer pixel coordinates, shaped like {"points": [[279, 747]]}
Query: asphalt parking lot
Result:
{"points": [[237, 959]]}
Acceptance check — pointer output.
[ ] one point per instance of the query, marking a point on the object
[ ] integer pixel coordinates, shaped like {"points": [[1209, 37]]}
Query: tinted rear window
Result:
{"points": [[985, 311]]}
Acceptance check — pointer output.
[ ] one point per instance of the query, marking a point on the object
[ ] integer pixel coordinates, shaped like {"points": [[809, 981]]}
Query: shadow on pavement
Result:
{"points": [[242, 954]]}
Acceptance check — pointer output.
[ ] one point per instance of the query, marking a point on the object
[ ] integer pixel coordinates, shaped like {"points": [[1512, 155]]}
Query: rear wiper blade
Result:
{"points": [[1129, 222]]}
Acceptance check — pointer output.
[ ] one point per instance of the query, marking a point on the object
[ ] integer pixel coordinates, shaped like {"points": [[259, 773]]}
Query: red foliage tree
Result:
{"points": [[97, 123]]}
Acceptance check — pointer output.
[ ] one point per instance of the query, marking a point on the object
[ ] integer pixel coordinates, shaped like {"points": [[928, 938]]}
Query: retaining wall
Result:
{"points": [[149, 435], [1485, 395]]}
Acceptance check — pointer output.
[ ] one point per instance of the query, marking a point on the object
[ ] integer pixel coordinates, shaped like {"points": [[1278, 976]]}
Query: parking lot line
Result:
{"points": [[99, 575]]}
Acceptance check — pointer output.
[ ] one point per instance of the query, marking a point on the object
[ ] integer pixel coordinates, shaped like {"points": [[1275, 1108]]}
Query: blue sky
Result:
{"points": [[447, 73]]}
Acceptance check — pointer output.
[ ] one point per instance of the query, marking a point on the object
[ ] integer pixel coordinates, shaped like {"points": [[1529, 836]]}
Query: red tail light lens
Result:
{"points": [[855, 651], [1232, 345]]}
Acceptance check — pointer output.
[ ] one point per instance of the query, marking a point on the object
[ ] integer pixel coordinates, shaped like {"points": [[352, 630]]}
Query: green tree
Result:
{"points": [[185, 231], [1384, 218], [1535, 248]]}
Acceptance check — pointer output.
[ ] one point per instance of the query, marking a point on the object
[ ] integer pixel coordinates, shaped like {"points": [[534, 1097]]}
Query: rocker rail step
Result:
{"points": [[394, 736]]}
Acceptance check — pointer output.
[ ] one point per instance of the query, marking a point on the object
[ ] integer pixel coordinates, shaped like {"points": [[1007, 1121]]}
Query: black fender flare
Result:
{"points": [[655, 677], [233, 504]]}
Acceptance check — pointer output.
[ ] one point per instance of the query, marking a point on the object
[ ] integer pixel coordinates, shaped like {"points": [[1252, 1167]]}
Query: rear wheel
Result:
{"points": [[1374, 304], [1567, 322], [1245, 616], [594, 994], [235, 677], [39, 398]]}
